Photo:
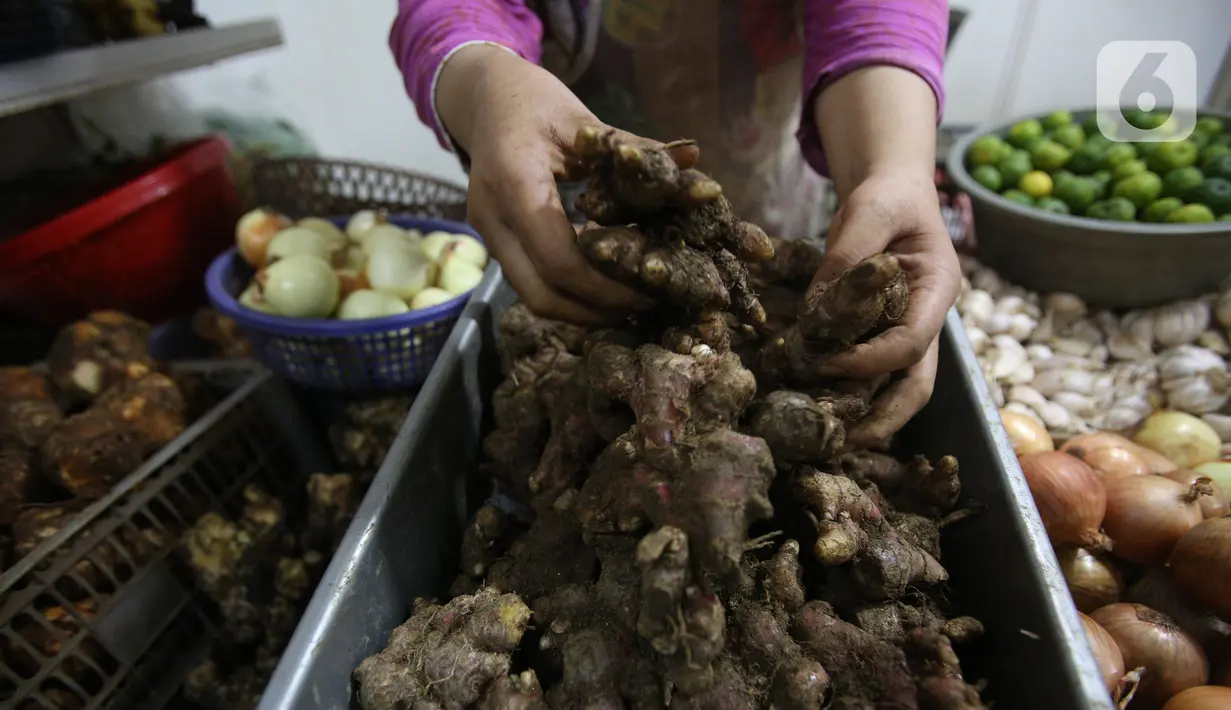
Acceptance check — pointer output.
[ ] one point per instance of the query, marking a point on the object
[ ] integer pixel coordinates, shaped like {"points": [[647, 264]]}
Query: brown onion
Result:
{"points": [[1106, 653], [1110, 454], [1203, 697], [1215, 505], [1070, 496], [1026, 434], [1146, 515], [1149, 639], [1159, 591], [1201, 565], [1093, 581], [1156, 461], [255, 230]]}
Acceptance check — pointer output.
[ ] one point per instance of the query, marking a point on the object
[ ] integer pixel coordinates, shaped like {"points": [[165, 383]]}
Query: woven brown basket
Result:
{"points": [[318, 187]]}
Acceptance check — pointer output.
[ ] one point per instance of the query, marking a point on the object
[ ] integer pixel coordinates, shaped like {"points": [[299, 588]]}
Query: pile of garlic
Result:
{"points": [[1076, 371], [372, 269]]}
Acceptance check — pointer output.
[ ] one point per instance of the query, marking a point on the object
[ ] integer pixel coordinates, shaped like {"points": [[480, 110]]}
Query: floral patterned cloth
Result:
{"points": [[725, 72]]}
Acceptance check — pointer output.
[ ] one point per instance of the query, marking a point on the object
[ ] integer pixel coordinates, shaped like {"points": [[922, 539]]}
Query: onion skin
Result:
{"points": [[1070, 496], [1027, 435], [1203, 697], [1214, 505], [1106, 653], [1093, 581], [1110, 454], [1147, 515], [1201, 565], [1149, 639], [1184, 439]]}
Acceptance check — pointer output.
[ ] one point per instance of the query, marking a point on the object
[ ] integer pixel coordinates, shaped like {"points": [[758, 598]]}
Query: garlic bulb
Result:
{"points": [[457, 276], [1180, 323], [400, 272], [299, 240], [388, 236], [301, 286], [365, 303], [429, 297], [362, 222], [1195, 379], [1216, 341], [333, 236], [1050, 382], [976, 306], [252, 298], [978, 338]]}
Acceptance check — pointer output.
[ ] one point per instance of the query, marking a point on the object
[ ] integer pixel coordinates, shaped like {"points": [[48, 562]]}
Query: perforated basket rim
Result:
{"points": [[330, 328]]}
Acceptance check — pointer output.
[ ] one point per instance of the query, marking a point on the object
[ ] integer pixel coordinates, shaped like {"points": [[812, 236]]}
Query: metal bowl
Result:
{"points": [[1109, 264]]}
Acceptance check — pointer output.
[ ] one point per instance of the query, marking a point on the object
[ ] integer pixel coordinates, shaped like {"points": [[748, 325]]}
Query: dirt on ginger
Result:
{"points": [[655, 483]]}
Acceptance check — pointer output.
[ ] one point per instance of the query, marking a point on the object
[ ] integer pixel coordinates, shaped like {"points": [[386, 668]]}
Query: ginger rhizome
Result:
{"points": [[677, 520]]}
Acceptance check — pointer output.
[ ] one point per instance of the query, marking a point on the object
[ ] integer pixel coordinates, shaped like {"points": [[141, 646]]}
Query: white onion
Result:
{"points": [[467, 248], [387, 236], [252, 298], [362, 222], [435, 242], [254, 231], [301, 286], [366, 303], [354, 259], [402, 273], [298, 240], [458, 276], [334, 237], [430, 296]]}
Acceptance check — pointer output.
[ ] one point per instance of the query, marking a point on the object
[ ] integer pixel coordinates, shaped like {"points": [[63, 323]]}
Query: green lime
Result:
{"points": [[1209, 126], [1025, 132], [1036, 183], [1052, 204], [1091, 156], [1056, 119], [1102, 183], [1158, 210], [1214, 193], [1192, 214], [1019, 197], [1201, 140], [1145, 120], [1140, 189], [1181, 182], [987, 150], [1078, 193], [1128, 169], [1089, 125], [1116, 209], [1224, 218], [1214, 150], [988, 177], [1049, 155], [1218, 166], [1069, 136], [1120, 153], [1169, 156], [1015, 165]]}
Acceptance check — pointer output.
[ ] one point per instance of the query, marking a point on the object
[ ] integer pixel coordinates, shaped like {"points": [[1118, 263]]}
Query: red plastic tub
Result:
{"points": [[142, 247]]}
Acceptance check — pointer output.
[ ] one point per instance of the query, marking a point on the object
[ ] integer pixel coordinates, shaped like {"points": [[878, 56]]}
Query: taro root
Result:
{"points": [[36, 523], [18, 383], [88, 452], [90, 355], [16, 481], [28, 422], [675, 480], [151, 404]]}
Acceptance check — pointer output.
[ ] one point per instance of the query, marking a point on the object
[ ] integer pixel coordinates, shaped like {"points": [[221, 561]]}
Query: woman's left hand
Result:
{"points": [[896, 213]]}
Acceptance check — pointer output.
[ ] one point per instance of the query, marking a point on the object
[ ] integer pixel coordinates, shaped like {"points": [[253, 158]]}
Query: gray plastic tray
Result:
{"points": [[404, 539]]}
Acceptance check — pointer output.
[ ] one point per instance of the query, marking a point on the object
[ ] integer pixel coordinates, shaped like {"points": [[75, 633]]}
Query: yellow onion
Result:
{"points": [[1214, 505], [1200, 564], [1092, 580], [1219, 472], [430, 296], [1026, 434], [1203, 697], [334, 237], [1156, 462], [1106, 653], [1159, 591], [1184, 439], [1147, 515], [1070, 496], [1110, 454], [254, 231], [300, 286], [1173, 660]]}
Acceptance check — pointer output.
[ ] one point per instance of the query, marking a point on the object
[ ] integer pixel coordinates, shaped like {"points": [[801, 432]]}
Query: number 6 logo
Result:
{"points": [[1136, 78]]}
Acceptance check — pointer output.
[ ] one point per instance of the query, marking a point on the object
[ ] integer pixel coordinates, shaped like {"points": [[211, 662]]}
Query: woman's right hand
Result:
{"points": [[517, 123]]}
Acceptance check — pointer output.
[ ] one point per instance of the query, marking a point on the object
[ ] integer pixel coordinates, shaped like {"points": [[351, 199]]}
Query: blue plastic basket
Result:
{"points": [[379, 354]]}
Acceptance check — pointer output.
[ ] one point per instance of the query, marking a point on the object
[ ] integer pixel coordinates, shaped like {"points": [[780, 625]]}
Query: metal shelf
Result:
{"points": [[47, 80]]}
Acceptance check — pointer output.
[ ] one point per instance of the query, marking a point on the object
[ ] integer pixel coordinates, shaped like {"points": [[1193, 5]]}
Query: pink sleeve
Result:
{"points": [[427, 32], [843, 35]]}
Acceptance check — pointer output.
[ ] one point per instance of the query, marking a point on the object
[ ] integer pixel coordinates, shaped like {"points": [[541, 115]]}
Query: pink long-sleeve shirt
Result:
{"points": [[731, 73]]}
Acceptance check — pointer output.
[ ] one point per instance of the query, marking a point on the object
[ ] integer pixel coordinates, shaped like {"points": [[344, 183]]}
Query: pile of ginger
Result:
{"points": [[679, 522]]}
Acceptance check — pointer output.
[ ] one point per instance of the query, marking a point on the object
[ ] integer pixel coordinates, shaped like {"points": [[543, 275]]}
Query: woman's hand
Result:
{"points": [[898, 214], [517, 123]]}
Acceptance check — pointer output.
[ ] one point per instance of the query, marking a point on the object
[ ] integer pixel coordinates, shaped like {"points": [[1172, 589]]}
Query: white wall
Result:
{"points": [[336, 80]]}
